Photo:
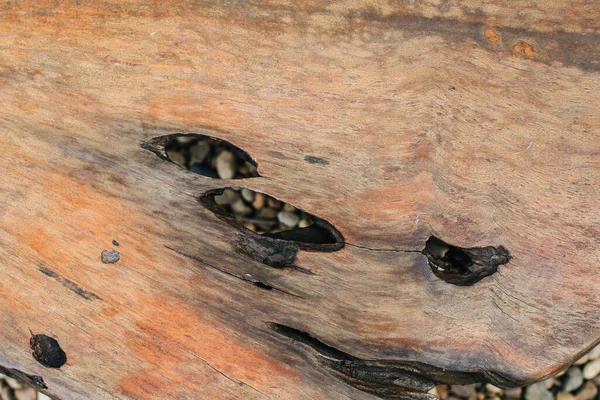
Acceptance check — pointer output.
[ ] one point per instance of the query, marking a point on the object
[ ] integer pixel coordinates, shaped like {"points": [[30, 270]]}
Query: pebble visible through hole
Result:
{"points": [[47, 351], [110, 256]]}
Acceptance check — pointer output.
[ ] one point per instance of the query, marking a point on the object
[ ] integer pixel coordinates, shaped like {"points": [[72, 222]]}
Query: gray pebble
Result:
{"points": [[513, 394], [199, 152], [288, 219], [240, 208], [573, 379], [226, 165], [110, 256], [538, 391], [267, 213], [468, 391], [248, 195]]}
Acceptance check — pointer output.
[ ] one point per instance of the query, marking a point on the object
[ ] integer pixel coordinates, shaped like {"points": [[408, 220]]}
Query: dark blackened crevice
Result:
{"points": [[246, 278], [462, 266], [376, 377], [204, 155], [277, 246], [393, 379], [47, 351], [315, 160], [69, 284]]}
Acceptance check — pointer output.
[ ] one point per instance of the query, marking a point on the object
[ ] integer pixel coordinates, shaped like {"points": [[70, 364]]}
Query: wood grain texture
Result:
{"points": [[471, 121]]}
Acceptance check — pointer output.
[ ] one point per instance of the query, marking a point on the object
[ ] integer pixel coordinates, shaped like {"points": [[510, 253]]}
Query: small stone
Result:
{"points": [[247, 195], [596, 380], [244, 170], [42, 396], [538, 391], [177, 157], [229, 196], [185, 139], [226, 165], [442, 391], [267, 213], [13, 383], [564, 396], [115, 243], [548, 383], [110, 256], [587, 392], [492, 389], [288, 219], [433, 391], [592, 369], [573, 380], [513, 394], [240, 208], [25, 394], [582, 360], [250, 226], [594, 353], [199, 152], [274, 203], [259, 201], [5, 392], [305, 222], [289, 208], [468, 392]]}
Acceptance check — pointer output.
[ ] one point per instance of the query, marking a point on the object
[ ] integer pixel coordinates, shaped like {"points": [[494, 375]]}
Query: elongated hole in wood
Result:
{"points": [[204, 155], [272, 218]]}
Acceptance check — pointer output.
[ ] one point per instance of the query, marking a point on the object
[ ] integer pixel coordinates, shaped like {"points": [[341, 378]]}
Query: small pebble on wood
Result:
{"points": [[110, 256]]}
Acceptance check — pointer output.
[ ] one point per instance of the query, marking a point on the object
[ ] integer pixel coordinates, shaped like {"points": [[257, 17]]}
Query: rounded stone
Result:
{"points": [[573, 379], [592, 369], [564, 396], [110, 256], [288, 219], [595, 353], [226, 165]]}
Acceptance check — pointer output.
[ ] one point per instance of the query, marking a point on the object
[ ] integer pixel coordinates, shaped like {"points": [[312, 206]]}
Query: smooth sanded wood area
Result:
{"points": [[474, 122]]}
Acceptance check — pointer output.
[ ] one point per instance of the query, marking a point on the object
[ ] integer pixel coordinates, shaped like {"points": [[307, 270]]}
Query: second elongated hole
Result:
{"points": [[261, 213], [273, 218]]}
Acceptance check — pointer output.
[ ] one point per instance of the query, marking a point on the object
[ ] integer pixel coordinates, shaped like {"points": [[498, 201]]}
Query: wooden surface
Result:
{"points": [[475, 122]]}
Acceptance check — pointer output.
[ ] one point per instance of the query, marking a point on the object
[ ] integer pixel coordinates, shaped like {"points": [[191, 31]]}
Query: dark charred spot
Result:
{"points": [[47, 351], [462, 266]]}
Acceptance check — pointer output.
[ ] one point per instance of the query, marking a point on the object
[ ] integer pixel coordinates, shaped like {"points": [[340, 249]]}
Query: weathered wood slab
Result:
{"points": [[473, 122]]}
